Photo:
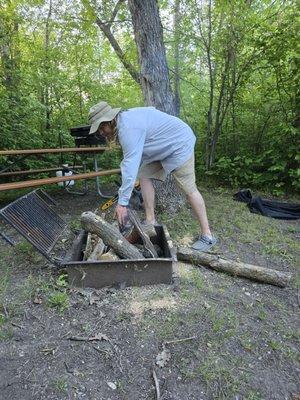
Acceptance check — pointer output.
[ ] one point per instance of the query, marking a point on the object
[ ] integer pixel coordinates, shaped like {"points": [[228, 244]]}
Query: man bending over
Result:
{"points": [[154, 145]]}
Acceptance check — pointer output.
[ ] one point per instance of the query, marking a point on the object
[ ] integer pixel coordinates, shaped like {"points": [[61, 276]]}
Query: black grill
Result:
{"points": [[34, 219], [83, 138]]}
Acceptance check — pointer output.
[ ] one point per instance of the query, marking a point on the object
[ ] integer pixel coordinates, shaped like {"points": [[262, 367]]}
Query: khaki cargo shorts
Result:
{"points": [[184, 175]]}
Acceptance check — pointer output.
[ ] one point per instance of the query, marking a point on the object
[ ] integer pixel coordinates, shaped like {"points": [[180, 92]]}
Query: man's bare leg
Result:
{"points": [[198, 205], [148, 194]]}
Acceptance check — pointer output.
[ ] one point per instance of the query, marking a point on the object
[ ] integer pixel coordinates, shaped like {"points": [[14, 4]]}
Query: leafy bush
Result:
{"points": [[266, 171]]}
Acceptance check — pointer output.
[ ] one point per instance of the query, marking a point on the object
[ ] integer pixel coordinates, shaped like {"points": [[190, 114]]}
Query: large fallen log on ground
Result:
{"points": [[110, 235], [235, 268]]}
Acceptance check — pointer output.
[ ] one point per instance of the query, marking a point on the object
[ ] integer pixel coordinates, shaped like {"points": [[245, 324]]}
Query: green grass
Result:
{"points": [[192, 279], [58, 300], [5, 305], [233, 223], [183, 224], [124, 316], [25, 252], [60, 384], [52, 291], [222, 379], [224, 323], [6, 332], [218, 379], [262, 315]]}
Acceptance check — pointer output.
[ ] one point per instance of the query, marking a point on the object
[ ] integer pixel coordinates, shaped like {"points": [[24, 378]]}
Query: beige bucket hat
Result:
{"points": [[101, 112]]}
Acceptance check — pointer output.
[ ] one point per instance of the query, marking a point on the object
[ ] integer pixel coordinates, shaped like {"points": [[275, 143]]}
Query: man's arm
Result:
{"points": [[132, 143]]}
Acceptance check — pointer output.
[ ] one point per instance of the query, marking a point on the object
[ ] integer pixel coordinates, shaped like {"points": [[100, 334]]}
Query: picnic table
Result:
{"points": [[24, 153]]}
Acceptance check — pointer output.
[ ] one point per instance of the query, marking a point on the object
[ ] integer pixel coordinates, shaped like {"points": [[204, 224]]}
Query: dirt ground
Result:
{"points": [[241, 337]]}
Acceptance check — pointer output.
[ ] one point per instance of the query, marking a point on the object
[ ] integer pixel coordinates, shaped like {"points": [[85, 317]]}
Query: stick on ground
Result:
{"points": [[156, 384]]}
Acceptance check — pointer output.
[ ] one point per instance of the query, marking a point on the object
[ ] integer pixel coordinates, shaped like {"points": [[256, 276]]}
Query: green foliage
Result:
{"points": [[270, 171], [57, 295], [54, 64], [58, 300]]}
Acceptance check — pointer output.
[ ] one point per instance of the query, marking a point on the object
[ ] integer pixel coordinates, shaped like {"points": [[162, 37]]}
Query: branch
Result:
{"points": [[185, 80], [105, 28], [115, 45], [116, 10]]}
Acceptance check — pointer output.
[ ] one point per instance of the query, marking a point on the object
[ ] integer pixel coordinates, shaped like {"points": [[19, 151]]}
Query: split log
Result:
{"points": [[91, 242], [145, 238], [110, 235], [235, 268], [88, 247], [97, 252], [109, 256]]}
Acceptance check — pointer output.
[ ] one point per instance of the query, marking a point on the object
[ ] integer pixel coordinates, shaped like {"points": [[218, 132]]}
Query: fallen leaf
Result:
{"points": [[93, 299], [206, 305], [163, 358], [47, 351], [112, 385], [295, 396], [99, 336]]}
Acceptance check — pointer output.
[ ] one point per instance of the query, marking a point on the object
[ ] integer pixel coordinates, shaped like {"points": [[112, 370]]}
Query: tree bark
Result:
{"points": [[47, 69], [154, 74], [235, 268], [10, 51], [177, 17], [110, 235], [97, 251]]}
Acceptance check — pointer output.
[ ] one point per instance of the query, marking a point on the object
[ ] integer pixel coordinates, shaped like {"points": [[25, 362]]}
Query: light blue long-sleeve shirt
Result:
{"points": [[147, 135]]}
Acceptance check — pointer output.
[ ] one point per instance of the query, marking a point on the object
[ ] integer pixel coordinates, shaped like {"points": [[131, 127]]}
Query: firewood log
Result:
{"points": [[88, 247], [235, 268], [110, 235], [91, 242], [109, 256], [97, 251]]}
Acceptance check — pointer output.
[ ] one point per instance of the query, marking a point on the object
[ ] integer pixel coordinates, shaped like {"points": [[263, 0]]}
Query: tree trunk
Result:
{"points": [[154, 75], [79, 82], [177, 17], [10, 51], [46, 96], [235, 268], [110, 235]]}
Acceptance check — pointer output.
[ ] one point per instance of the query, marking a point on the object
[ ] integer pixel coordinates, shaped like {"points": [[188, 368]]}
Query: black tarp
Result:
{"points": [[268, 208]]}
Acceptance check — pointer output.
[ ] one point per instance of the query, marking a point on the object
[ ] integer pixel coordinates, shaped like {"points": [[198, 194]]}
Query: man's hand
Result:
{"points": [[122, 214]]}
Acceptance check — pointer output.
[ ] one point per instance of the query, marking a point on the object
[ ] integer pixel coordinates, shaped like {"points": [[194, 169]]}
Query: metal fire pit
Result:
{"points": [[38, 223], [97, 274]]}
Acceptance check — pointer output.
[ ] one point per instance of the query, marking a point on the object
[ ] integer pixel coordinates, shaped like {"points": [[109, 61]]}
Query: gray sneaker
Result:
{"points": [[204, 243]]}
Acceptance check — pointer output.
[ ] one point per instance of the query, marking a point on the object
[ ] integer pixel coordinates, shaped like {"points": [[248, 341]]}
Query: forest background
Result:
{"points": [[233, 68]]}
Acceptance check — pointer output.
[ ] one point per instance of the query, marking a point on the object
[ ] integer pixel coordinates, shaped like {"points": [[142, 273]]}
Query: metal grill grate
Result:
{"points": [[32, 217]]}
